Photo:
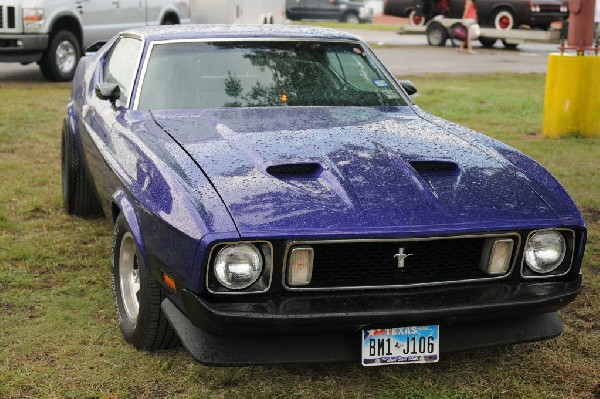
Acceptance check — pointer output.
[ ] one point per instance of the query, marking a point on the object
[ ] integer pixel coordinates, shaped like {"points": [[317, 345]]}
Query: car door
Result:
{"points": [[105, 150]]}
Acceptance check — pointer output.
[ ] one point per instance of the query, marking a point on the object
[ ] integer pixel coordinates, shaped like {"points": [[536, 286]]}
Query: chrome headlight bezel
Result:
{"points": [[33, 20], [264, 249], [562, 268]]}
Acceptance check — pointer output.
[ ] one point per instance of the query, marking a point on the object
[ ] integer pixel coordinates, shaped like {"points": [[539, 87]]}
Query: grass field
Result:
{"points": [[58, 334]]}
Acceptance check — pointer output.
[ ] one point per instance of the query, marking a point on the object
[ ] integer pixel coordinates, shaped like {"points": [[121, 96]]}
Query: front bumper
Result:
{"points": [[22, 48], [283, 328]]}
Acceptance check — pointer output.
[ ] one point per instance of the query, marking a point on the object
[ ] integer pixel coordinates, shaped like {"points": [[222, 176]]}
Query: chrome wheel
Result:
{"points": [[66, 57], [129, 277]]}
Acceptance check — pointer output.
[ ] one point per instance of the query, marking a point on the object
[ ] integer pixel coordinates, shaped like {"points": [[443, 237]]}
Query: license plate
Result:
{"points": [[416, 344]]}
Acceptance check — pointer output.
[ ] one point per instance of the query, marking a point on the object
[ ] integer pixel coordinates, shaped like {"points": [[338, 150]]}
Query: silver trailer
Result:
{"points": [[238, 11]]}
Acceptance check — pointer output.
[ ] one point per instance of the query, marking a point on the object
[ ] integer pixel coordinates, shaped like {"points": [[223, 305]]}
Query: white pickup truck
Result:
{"points": [[54, 32]]}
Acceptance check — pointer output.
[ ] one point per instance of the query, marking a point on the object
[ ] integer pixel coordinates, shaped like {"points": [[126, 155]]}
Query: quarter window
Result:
{"points": [[121, 63]]}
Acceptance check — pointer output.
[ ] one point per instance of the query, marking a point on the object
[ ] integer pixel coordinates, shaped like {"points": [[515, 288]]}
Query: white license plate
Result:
{"points": [[415, 344]]}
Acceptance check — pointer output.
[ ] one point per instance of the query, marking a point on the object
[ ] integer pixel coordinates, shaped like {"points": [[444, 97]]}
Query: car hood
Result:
{"points": [[332, 170]]}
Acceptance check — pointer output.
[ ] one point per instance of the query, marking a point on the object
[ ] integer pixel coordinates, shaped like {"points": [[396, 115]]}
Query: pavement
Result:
{"points": [[403, 55]]}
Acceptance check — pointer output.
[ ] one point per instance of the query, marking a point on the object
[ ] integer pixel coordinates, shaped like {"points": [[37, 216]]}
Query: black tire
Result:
{"points": [[487, 42], [503, 19], [509, 46], [60, 59], [437, 35], [146, 327], [351, 18], [79, 193], [170, 20]]}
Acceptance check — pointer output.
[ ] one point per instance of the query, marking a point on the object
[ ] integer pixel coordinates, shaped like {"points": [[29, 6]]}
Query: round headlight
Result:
{"points": [[545, 251], [238, 266]]}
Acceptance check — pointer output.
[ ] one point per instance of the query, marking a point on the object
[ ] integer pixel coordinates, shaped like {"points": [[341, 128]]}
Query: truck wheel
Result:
{"points": [[416, 19], [60, 59], [503, 19], [437, 35], [79, 194], [137, 295], [351, 18]]}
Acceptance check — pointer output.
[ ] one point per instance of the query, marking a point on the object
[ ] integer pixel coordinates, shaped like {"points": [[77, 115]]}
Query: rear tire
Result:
{"points": [[79, 194], [487, 43], [60, 59], [137, 295], [509, 46], [437, 35], [503, 19], [416, 19]]}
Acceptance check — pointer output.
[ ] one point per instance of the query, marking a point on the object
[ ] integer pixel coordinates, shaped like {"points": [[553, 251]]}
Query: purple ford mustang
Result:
{"points": [[277, 197]]}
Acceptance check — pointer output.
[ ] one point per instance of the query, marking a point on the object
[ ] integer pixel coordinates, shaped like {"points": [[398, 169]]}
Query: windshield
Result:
{"points": [[263, 74]]}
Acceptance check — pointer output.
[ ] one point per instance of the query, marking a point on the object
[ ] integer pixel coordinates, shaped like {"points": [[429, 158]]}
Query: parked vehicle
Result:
{"points": [[500, 14], [351, 11], [238, 11], [277, 197], [54, 33]]}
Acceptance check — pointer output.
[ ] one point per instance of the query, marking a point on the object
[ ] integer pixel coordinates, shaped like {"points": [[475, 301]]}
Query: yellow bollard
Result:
{"points": [[572, 99]]}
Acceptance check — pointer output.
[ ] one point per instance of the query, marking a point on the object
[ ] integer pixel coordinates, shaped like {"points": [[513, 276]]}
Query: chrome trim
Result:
{"points": [[549, 275], [365, 46], [400, 240], [268, 262], [137, 61]]}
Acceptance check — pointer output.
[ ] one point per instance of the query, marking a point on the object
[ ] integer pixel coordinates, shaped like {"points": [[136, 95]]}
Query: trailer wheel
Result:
{"points": [[509, 46], [487, 42], [416, 19], [437, 35], [503, 19]]}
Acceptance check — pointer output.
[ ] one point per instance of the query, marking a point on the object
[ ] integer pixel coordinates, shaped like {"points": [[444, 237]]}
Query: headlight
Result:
{"points": [[238, 266], [545, 251], [33, 20]]}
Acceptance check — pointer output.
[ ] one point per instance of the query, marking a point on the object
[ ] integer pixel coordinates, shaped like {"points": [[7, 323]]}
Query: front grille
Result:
{"points": [[372, 264], [1, 16]]}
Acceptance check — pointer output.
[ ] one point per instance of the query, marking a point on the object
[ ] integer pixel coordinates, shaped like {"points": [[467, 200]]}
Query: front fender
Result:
{"points": [[123, 205]]}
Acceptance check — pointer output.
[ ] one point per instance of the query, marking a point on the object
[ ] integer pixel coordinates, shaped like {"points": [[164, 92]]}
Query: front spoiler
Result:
{"points": [[215, 350], [306, 327]]}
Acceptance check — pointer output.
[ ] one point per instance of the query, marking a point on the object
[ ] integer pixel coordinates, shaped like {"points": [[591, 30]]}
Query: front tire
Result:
{"points": [[60, 59], [137, 295], [79, 194]]}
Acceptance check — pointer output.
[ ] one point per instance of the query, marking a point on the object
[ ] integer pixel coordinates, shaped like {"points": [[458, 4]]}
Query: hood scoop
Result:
{"points": [[290, 170], [433, 166]]}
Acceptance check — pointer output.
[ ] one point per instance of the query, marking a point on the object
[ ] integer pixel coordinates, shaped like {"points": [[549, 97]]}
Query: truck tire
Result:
{"points": [[137, 295], [437, 35], [487, 42], [61, 57], [79, 194], [509, 46]]}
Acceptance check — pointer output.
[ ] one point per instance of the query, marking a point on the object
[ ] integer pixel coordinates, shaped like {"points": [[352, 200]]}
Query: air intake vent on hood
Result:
{"points": [[294, 170], [433, 166]]}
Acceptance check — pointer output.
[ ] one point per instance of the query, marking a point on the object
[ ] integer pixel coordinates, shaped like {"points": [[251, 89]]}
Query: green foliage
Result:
{"points": [[58, 337]]}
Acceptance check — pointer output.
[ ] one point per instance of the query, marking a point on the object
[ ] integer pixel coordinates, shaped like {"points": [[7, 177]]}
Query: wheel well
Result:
{"points": [[70, 24], [170, 17]]}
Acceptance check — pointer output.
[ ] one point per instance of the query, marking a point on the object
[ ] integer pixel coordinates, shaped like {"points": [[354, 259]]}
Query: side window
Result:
{"points": [[121, 63]]}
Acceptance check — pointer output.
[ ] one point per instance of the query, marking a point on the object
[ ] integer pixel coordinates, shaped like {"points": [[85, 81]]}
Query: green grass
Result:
{"points": [[58, 336]]}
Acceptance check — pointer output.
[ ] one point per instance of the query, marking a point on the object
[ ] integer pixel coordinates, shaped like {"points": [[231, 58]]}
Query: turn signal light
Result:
{"points": [[498, 253], [169, 281], [300, 267]]}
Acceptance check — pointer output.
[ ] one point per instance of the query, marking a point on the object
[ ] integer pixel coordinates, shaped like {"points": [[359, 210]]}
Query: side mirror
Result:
{"points": [[108, 91], [408, 86]]}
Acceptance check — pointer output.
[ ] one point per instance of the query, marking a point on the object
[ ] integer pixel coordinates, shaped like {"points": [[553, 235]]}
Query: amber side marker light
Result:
{"points": [[169, 281]]}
